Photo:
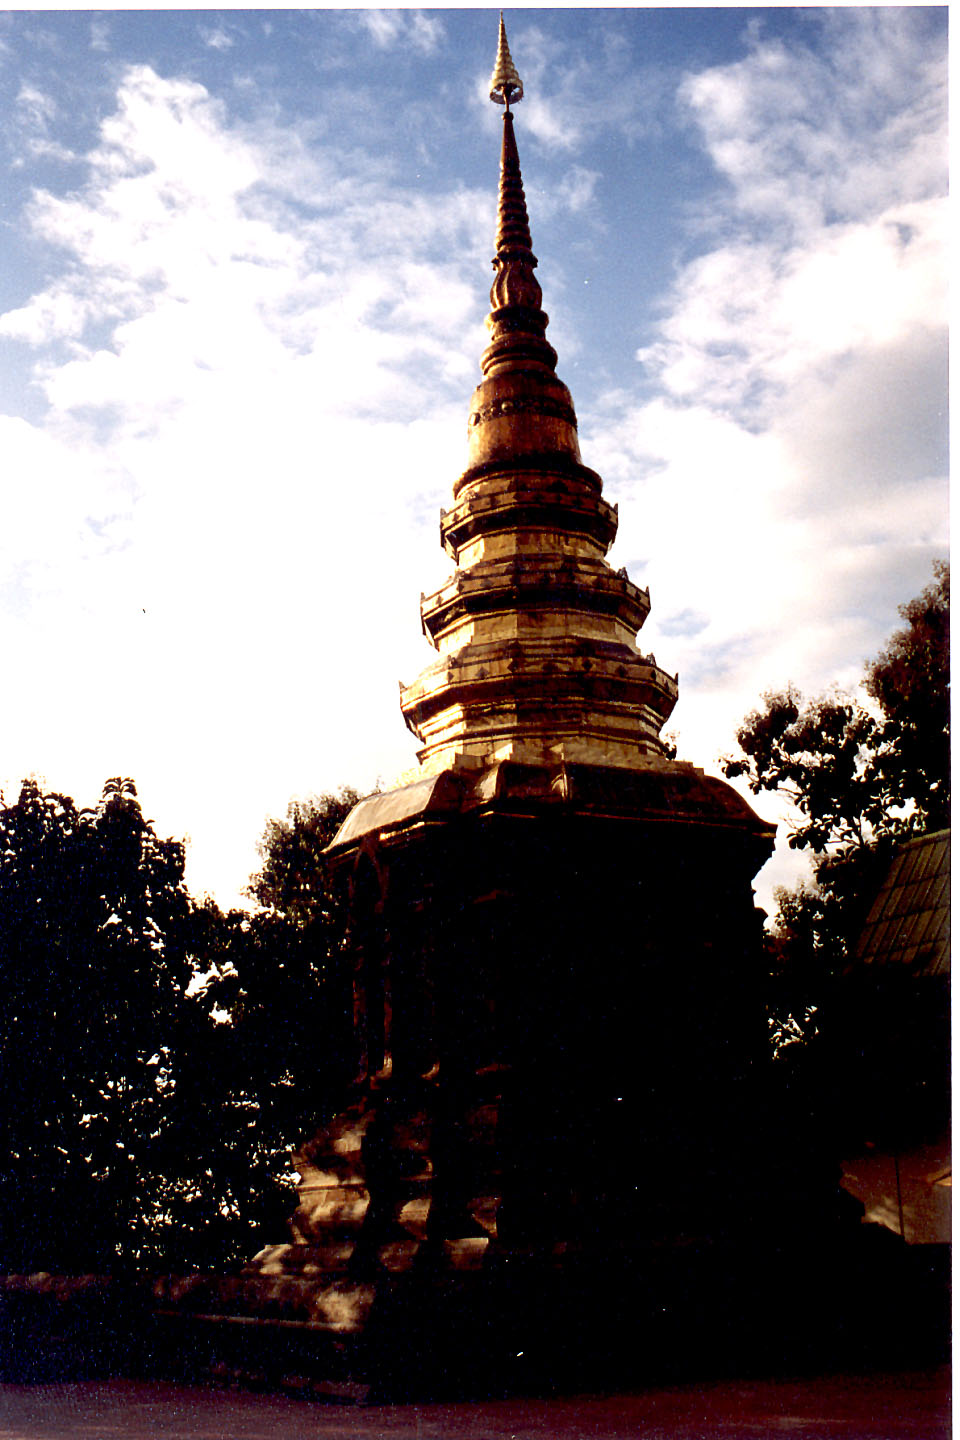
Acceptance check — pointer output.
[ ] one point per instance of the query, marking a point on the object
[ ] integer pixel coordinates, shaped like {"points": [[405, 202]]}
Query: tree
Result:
{"points": [[910, 682], [157, 1058], [94, 966], [292, 880], [124, 1138], [284, 994], [862, 776], [856, 775], [283, 975], [821, 754]]}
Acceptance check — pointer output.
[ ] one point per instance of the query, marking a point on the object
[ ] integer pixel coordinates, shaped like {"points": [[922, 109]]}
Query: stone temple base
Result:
{"points": [[528, 1324], [525, 1328], [565, 1151]]}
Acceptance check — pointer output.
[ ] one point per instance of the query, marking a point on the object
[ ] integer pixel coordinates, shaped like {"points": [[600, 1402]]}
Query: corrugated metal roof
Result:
{"points": [[909, 922]]}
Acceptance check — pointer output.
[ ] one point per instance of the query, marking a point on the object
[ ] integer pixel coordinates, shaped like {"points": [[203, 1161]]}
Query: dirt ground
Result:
{"points": [[906, 1406]]}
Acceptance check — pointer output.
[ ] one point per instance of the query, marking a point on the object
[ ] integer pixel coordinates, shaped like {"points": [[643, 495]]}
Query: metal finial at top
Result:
{"points": [[505, 84]]}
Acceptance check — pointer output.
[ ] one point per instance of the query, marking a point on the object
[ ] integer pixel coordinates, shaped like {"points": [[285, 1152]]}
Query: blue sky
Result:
{"points": [[246, 265]]}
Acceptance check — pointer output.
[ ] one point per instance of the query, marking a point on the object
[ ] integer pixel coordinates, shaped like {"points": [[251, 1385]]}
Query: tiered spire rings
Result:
{"points": [[506, 87], [536, 632]]}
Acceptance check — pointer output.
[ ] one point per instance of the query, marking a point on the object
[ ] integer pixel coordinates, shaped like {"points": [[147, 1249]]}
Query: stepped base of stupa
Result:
{"points": [[567, 1152], [525, 1322]]}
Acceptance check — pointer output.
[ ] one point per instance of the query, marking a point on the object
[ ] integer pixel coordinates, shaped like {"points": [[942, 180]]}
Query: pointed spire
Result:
{"points": [[516, 322], [506, 87], [537, 659], [513, 227]]}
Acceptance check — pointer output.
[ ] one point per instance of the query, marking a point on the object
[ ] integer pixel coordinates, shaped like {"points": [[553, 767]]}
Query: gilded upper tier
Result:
{"points": [[536, 632]]}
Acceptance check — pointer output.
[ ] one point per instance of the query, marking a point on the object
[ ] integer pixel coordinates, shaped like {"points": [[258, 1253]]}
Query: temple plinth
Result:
{"points": [[562, 1099]]}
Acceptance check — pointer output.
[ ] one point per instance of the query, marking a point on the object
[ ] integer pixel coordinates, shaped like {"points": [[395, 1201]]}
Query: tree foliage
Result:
{"points": [[857, 774], [147, 1117], [284, 975], [822, 755], [910, 682], [284, 993], [863, 775], [94, 962], [292, 880]]}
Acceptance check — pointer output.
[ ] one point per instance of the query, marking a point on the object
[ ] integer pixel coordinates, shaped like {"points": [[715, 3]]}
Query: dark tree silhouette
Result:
{"points": [[863, 777], [283, 975], [94, 963], [127, 1136], [856, 776], [910, 681], [292, 880]]}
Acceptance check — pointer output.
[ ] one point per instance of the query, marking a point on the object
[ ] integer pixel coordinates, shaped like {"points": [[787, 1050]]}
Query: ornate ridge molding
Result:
{"points": [[519, 404]]}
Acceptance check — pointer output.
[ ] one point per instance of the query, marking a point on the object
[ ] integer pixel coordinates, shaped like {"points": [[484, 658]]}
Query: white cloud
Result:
{"points": [[547, 121], [227, 517], [99, 34], [426, 31], [34, 113], [758, 314], [810, 136], [403, 27], [574, 192], [216, 37], [788, 484], [54, 313], [38, 109], [57, 506]]}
